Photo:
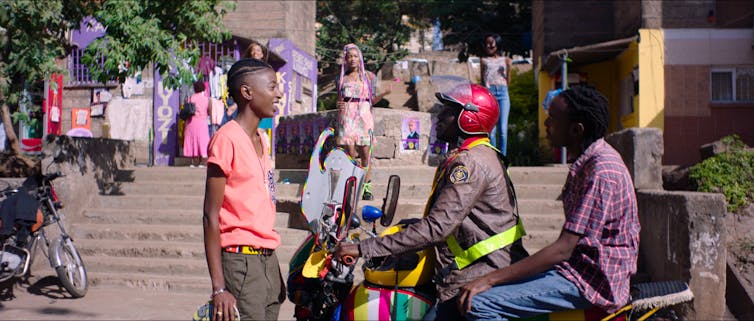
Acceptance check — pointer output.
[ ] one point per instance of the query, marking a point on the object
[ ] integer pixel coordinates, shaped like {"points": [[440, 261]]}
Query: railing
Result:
{"points": [[217, 50], [79, 72]]}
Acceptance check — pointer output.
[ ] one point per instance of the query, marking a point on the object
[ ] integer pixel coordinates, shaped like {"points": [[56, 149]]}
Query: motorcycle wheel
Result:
{"points": [[71, 272]]}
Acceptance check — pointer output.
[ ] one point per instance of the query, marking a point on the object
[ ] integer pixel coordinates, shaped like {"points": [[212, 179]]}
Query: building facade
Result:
{"points": [[143, 110], [686, 67]]}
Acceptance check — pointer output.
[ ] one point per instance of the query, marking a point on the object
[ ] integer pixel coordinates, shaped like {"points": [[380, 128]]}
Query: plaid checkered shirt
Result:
{"points": [[600, 206]]}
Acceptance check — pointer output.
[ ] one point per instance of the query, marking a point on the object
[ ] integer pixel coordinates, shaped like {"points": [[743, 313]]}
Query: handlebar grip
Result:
{"points": [[53, 176], [348, 260]]}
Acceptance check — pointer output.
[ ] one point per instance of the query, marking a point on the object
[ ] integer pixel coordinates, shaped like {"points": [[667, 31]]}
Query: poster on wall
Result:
{"points": [[410, 133], [295, 141], [436, 147], [53, 103], [281, 144], [80, 118], [308, 136], [133, 86]]}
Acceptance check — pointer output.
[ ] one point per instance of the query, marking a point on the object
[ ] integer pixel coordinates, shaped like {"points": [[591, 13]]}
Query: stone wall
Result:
{"points": [[683, 238], [91, 166], [682, 233], [388, 145], [641, 150]]}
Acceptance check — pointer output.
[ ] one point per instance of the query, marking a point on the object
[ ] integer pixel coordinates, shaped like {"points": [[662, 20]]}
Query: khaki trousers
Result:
{"points": [[257, 284]]}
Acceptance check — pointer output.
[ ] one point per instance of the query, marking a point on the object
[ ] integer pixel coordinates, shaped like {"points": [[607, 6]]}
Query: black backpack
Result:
{"points": [[187, 111]]}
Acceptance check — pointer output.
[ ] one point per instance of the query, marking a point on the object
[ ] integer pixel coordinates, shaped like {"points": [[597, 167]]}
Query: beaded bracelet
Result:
{"points": [[220, 290]]}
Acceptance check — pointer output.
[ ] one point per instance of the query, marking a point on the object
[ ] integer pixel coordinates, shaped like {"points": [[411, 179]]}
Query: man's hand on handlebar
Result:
{"points": [[346, 252]]}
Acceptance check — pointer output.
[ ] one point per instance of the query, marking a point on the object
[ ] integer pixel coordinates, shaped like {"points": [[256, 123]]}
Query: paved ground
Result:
{"points": [[45, 299]]}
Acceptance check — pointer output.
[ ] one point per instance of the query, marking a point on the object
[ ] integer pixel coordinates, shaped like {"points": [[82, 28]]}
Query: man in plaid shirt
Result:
{"points": [[591, 262]]}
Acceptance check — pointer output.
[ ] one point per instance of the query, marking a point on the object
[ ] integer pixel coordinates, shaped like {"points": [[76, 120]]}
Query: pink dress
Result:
{"points": [[196, 133], [355, 120]]}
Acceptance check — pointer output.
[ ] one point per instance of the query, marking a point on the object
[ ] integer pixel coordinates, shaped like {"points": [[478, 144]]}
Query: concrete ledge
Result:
{"points": [[91, 166], [641, 150], [683, 238], [292, 150], [740, 300]]}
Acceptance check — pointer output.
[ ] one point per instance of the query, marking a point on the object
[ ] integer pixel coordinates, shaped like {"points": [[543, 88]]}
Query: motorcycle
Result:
{"points": [[25, 216], [396, 287]]}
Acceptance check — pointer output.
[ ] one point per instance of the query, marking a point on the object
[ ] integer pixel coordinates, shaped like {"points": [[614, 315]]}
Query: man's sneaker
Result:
{"points": [[367, 192]]}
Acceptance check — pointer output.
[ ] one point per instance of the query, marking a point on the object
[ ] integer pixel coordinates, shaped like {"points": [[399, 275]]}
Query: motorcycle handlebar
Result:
{"points": [[53, 176]]}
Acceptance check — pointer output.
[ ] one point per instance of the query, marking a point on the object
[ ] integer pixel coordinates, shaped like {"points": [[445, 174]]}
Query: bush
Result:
{"points": [[730, 173], [523, 130]]}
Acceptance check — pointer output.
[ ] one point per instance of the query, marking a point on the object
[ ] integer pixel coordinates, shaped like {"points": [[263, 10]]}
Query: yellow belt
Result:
{"points": [[245, 249]]}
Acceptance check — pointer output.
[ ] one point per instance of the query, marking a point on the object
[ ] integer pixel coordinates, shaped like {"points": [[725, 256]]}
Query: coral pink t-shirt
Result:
{"points": [[247, 216]]}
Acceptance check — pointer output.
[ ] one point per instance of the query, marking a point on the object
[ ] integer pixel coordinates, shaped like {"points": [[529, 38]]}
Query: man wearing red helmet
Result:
{"points": [[591, 262], [469, 217]]}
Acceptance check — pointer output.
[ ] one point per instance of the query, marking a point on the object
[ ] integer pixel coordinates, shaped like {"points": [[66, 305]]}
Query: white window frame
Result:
{"points": [[732, 72], [734, 77]]}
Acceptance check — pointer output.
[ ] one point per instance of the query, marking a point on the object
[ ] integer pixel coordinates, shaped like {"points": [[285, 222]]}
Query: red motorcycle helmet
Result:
{"points": [[479, 109]]}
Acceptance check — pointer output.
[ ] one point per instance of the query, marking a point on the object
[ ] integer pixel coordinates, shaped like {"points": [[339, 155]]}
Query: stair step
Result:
{"points": [[189, 187], [536, 240], [161, 249], [549, 222], [169, 174], [548, 175], [166, 266], [422, 191], [159, 282], [181, 233], [161, 216], [413, 207]]}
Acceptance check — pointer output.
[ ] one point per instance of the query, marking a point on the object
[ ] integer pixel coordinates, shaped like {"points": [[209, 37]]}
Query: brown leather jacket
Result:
{"points": [[472, 202]]}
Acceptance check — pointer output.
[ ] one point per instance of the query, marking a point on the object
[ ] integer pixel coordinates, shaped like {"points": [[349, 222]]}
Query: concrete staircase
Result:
{"points": [[537, 188], [150, 235]]}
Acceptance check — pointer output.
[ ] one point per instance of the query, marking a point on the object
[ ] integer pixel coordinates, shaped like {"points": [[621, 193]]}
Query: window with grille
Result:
{"points": [[732, 84], [79, 72]]}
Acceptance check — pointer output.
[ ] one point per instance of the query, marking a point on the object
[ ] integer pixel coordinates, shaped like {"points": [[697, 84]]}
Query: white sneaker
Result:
{"points": [[192, 166], [202, 166]]}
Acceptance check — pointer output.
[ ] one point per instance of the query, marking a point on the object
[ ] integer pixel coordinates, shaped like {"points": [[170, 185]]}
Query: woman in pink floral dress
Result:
{"points": [[356, 93]]}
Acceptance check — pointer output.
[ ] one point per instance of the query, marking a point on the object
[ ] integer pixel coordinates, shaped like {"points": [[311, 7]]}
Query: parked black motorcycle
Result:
{"points": [[25, 213]]}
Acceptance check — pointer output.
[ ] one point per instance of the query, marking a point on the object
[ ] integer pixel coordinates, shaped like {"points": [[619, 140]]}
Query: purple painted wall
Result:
{"points": [[299, 62], [165, 123], [89, 30]]}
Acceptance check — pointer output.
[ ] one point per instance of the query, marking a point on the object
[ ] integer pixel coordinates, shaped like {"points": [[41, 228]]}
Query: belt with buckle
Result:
{"points": [[245, 249]]}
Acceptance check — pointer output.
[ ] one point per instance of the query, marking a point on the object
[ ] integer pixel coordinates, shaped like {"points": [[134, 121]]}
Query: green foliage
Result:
{"points": [[467, 21], [523, 148], [32, 35], [375, 26], [161, 32], [730, 173], [327, 102]]}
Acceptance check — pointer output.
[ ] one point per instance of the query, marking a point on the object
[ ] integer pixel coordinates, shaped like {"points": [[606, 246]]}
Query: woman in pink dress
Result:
{"points": [[196, 133], [356, 92]]}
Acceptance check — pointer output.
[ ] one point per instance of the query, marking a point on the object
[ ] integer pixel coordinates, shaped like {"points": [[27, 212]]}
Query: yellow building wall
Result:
{"points": [[651, 78], [545, 84], [602, 76], [627, 61]]}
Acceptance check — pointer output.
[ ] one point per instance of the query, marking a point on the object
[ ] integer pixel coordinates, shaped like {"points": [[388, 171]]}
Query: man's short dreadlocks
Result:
{"points": [[588, 107]]}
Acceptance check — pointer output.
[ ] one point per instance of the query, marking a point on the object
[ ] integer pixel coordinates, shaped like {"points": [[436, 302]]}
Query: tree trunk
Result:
{"points": [[13, 142]]}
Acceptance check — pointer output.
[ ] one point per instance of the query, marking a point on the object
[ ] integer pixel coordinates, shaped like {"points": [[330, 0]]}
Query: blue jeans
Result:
{"points": [[543, 293], [443, 311], [500, 134]]}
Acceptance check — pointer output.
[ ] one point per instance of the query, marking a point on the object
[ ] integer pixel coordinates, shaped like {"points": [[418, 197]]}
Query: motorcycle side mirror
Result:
{"points": [[355, 222], [370, 214], [390, 203]]}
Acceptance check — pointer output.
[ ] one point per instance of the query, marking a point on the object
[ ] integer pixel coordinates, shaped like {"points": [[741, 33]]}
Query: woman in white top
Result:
{"points": [[496, 70]]}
